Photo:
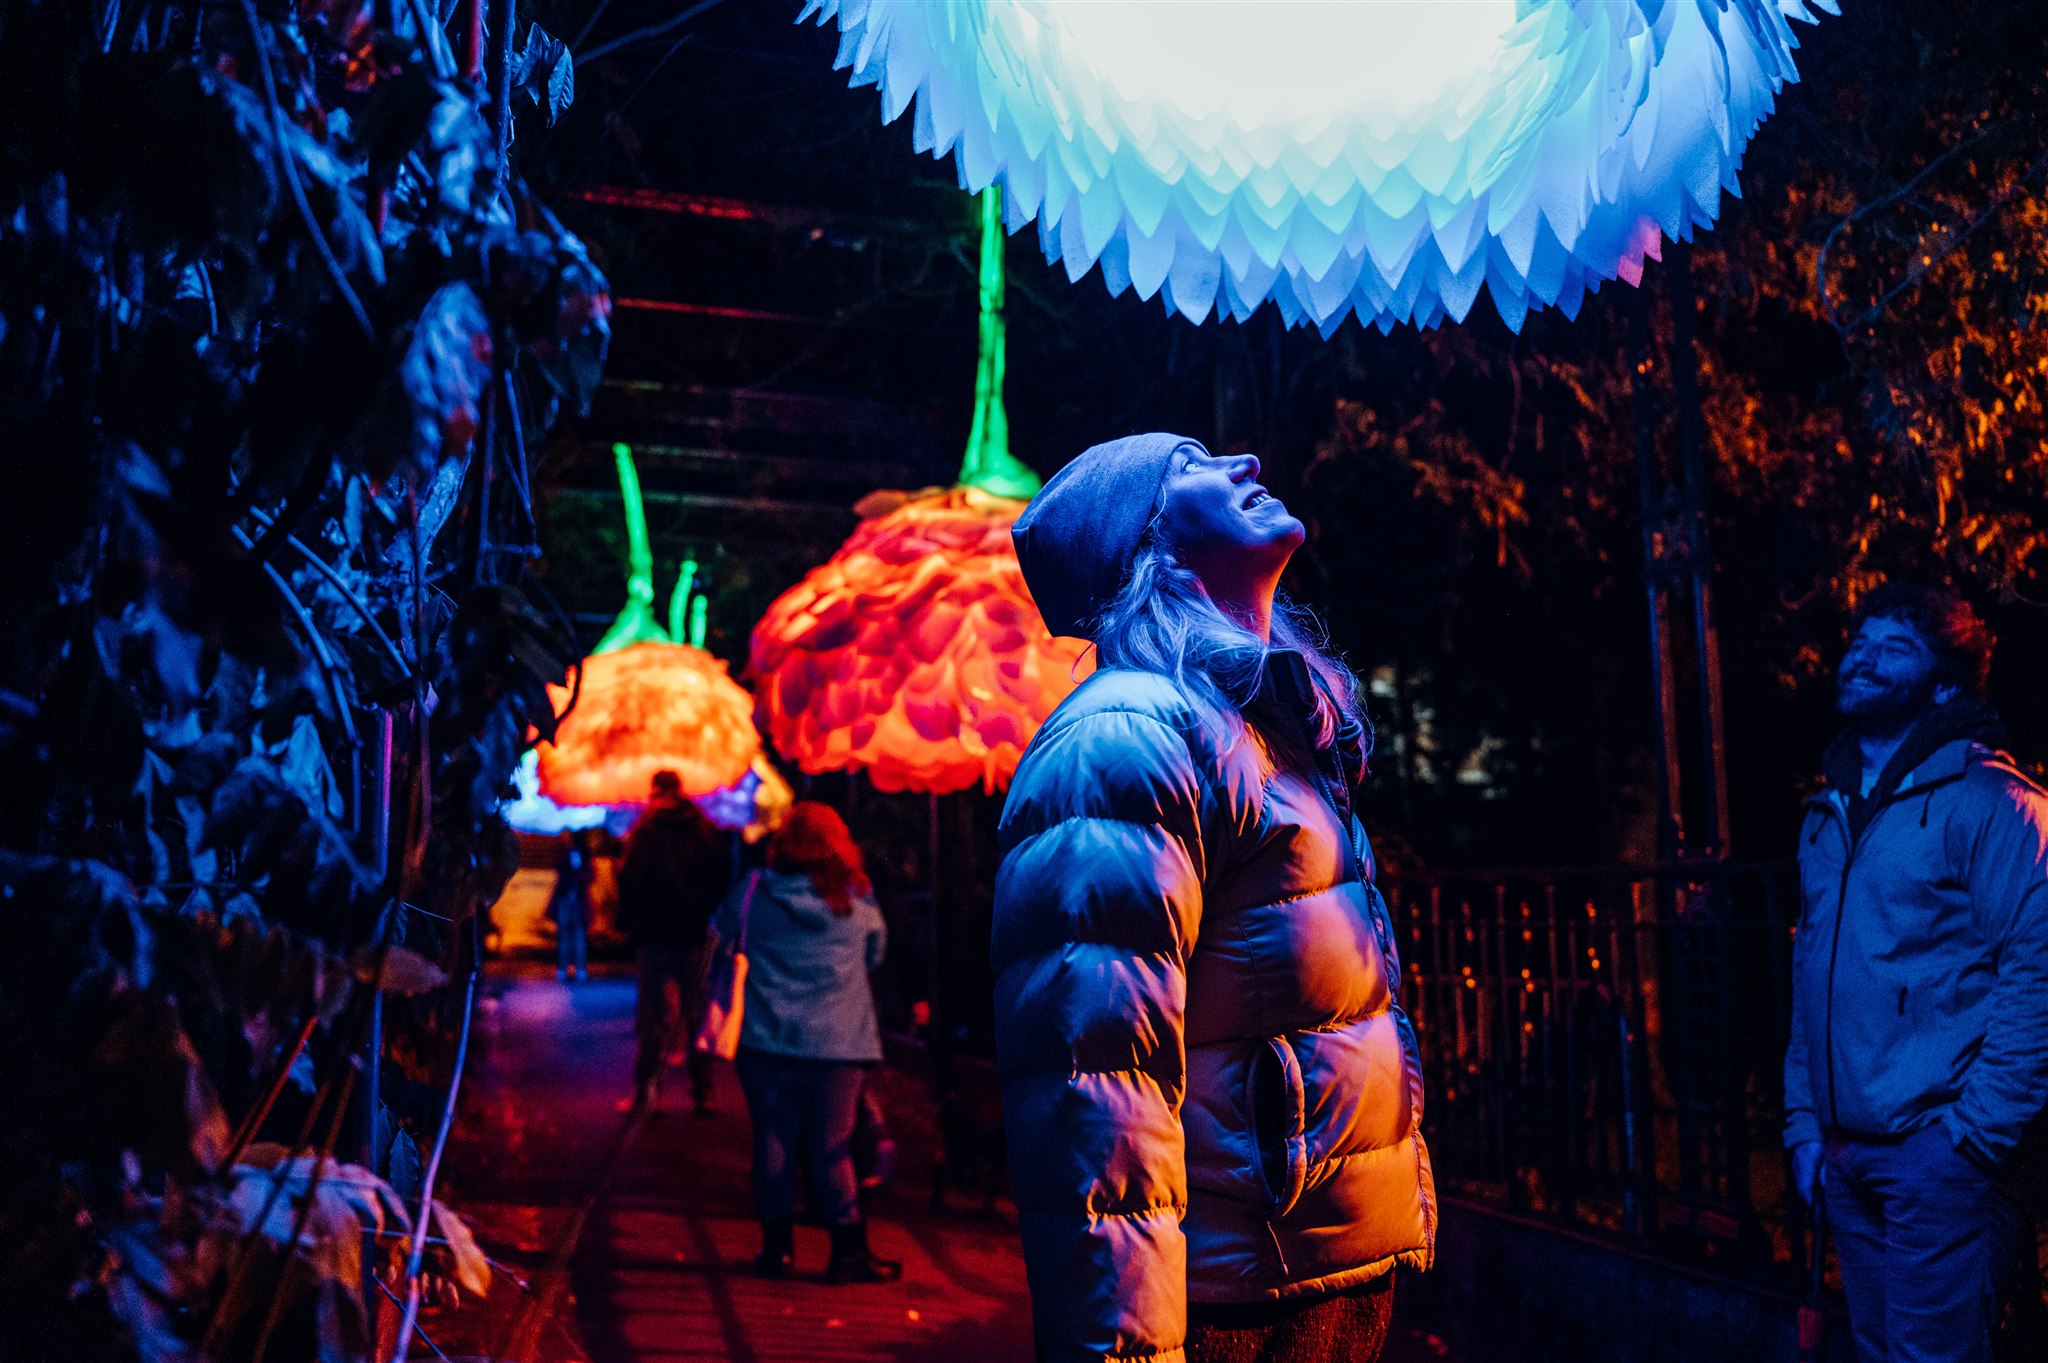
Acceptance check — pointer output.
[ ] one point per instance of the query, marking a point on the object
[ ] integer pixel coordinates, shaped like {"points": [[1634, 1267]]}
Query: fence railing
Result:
{"points": [[1603, 1046]]}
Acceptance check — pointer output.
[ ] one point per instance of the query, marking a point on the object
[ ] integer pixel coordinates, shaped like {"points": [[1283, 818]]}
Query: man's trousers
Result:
{"points": [[1927, 1242]]}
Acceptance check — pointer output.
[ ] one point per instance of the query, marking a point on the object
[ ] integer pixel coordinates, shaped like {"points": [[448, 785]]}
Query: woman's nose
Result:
{"points": [[1244, 467]]}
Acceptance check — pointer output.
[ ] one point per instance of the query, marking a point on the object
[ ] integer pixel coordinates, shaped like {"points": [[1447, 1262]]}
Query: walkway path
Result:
{"points": [[660, 1275], [661, 1270]]}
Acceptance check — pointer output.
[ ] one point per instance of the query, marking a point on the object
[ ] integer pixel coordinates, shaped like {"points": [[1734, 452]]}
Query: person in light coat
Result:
{"points": [[1213, 1096], [808, 1033]]}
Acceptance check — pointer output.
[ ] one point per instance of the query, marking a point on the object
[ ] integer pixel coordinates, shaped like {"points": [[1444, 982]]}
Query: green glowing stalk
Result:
{"points": [[636, 623], [989, 465], [699, 620], [679, 603]]}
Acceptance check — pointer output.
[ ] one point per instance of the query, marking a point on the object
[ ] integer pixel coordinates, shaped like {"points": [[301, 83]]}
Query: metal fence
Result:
{"points": [[1602, 1046]]}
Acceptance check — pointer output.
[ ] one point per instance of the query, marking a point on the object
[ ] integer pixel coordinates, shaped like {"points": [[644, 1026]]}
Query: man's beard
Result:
{"points": [[1887, 709]]}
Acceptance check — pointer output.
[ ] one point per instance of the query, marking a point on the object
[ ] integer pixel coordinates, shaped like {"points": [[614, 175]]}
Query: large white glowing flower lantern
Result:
{"points": [[1378, 157]]}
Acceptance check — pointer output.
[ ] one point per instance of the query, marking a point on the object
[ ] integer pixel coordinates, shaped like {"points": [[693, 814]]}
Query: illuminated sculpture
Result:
{"points": [[756, 805], [532, 812], [645, 704], [915, 652], [1337, 157]]}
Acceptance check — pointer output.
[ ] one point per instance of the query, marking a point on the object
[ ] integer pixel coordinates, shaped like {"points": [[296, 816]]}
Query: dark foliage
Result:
{"points": [[275, 325]]}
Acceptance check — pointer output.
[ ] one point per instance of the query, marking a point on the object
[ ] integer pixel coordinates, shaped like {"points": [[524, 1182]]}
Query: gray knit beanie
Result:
{"points": [[1080, 534]]}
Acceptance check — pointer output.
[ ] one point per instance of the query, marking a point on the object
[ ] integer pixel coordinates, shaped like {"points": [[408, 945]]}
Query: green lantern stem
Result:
{"points": [[636, 624], [989, 465], [679, 603]]}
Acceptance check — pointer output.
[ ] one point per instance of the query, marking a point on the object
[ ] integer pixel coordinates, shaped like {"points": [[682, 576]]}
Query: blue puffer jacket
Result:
{"points": [[1211, 1090], [807, 970]]}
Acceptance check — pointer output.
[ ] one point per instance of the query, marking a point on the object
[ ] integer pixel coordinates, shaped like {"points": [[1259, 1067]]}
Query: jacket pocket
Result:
{"points": [[1278, 1105]]}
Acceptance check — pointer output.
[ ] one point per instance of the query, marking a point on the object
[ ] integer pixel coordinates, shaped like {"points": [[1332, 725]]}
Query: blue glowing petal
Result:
{"points": [[1596, 129]]}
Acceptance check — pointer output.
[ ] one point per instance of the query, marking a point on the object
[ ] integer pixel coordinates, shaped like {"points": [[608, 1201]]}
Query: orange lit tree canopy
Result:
{"points": [[645, 703], [915, 652]]}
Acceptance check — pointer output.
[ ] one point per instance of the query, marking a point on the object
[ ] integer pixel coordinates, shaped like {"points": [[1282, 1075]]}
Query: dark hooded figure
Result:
{"points": [[1213, 1095], [1919, 1052], [676, 870]]}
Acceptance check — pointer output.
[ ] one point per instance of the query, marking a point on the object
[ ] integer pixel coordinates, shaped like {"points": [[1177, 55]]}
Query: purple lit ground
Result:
{"points": [[660, 1273]]}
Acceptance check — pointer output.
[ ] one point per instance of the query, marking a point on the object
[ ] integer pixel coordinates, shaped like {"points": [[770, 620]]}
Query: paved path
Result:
{"points": [[661, 1270], [660, 1274]]}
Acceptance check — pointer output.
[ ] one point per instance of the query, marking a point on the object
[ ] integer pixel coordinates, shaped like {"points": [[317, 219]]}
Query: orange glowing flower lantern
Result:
{"points": [[646, 703], [915, 652], [646, 708]]}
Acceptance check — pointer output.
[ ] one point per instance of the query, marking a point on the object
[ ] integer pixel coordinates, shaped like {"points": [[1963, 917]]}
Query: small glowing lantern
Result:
{"points": [[644, 703], [915, 653], [646, 708], [1340, 157]]}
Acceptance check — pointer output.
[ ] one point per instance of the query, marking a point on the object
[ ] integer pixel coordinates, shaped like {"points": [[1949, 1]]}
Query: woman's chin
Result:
{"points": [[1289, 532]]}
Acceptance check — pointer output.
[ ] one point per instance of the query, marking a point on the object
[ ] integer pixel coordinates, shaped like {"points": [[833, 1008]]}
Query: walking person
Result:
{"points": [[1919, 1050], [676, 870], [569, 906], [1211, 1090], [808, 1034]]}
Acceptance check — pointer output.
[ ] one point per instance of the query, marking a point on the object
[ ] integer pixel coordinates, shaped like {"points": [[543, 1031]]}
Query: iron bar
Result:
{"points": [[1543, 1001], [1649, 484], [1685, 387]]}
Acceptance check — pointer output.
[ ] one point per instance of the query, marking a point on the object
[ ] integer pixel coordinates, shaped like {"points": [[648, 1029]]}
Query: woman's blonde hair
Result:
{"points": [[1164, 621]]}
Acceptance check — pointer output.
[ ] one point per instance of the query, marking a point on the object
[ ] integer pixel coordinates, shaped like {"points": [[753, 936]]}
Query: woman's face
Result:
{"points": [[1227, 529]]}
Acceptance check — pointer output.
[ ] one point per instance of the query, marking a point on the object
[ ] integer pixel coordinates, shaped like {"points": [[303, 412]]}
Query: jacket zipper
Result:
{"points": [[1379, 924], [1841, 908], [1381, 929], [1835, 950]]}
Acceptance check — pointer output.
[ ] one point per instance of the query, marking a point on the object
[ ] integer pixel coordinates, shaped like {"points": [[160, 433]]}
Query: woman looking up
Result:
{"points": [[808, 1034], [1213, 1096]]}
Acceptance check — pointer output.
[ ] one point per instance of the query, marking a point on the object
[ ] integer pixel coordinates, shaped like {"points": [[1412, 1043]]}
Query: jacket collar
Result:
{"points": [[1946, 763], [1923, 754], [1287, 695], [1287, 684], [1950, 762]]}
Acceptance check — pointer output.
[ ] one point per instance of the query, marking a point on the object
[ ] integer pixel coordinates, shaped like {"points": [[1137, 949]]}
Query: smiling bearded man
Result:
{"points": [[1919, 1051]]}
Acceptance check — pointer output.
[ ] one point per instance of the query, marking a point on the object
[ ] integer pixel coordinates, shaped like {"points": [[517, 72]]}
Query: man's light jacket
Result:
{"points": [[1920, 968]]}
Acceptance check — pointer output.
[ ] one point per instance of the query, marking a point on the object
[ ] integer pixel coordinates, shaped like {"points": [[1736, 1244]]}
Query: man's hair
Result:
{"points": [[667, 782], [1957, 635]]}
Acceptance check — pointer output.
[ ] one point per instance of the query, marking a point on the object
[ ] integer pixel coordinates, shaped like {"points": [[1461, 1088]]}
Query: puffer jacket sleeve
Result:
{"points": [[2006, 868], [1098, 905]]}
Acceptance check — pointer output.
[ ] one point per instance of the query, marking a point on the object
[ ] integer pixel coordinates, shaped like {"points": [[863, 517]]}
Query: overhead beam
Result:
{"points": [[773, 465], [841, 406], [849, 319], [821, 223], [714, 310], [716, 501]]}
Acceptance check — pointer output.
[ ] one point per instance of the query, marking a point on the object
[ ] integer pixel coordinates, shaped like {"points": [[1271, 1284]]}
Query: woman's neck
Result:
{"points": [[1249, 606]]}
